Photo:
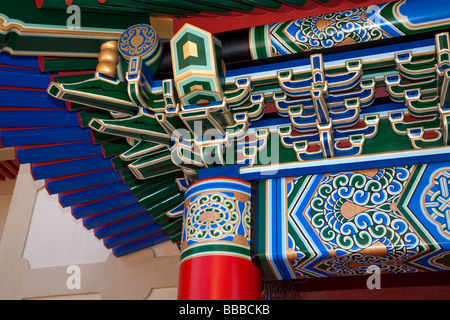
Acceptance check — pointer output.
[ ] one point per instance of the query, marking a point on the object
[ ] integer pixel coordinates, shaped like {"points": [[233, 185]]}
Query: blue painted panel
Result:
{"points": [[347, 55], [347, 164], [220, 184], [29, 137], [92, 194], [65, 168], [417, 13], [19, 61], [133, 235], [41, 118], [123, 226], [356, 54], [225, 171], [59, 152], [103, 206], [140, 244], [270, 122], [83, 181], [29, 99], [383, 108], [25, 78], [431, 210], [113, 216]]}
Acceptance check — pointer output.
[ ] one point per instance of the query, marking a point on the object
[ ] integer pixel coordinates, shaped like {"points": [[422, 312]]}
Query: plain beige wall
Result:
{"points": [[6, 191], [5, 200]]}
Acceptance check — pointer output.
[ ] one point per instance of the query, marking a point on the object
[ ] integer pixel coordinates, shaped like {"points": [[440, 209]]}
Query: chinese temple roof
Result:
{"points": [[80, 165], [88, 168]]}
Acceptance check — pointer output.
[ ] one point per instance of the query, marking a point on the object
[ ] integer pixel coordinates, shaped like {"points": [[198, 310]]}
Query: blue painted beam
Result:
{"points": [[68, 199], [113, 216], [57, 152], [123, 226], [70, 167], [82, 181], [19, 61], [39, 118], [131, 236], [30, 99], [27, 137], [272, 68], [231, 171], [102, 206], [339, 164], [26, 78], [140, 244]]}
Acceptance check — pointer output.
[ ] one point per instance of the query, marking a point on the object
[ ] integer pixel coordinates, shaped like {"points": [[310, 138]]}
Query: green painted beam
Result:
{"points": [[33, 15], [69, 64], [119, 7], [266, 4], [227, 4], [294, 3], [204, 7], [165, 7], [115, 148]]}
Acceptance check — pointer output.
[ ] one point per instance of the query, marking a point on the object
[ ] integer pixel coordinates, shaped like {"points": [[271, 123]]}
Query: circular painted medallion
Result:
{"points": [[138, 40]]}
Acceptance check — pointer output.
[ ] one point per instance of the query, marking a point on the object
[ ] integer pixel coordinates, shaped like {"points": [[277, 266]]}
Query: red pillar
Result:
{"points": [[219, 278], [215, 254]]}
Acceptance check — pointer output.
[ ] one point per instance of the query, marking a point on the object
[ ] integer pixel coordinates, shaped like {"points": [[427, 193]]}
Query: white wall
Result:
{"points": [[56, 238]]}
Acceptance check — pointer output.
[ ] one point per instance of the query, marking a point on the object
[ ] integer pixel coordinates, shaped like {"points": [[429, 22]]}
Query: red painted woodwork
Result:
{"points": [[409, 286], [219, 277], [237, 21]]}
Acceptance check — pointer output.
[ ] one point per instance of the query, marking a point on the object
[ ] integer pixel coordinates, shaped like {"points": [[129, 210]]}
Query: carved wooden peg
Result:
{"points": [[108, 59]]}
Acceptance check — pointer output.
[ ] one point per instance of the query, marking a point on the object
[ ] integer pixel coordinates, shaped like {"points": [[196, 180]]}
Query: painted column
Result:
{"points": [[215, 253]]}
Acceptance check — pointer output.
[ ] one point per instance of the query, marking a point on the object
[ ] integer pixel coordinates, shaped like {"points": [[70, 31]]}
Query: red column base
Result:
{"points": [[218, 277]]}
